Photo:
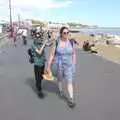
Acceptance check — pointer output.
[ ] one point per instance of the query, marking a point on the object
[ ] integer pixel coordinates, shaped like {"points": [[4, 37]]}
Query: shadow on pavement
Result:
{"points": [[31, 83], [47, 85], [50, 86]]}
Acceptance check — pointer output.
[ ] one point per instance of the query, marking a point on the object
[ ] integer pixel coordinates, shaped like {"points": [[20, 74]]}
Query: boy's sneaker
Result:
{"points": [[71, 103], [40, 95]]}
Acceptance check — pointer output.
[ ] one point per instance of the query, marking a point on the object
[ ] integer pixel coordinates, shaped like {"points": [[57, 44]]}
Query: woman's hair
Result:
{"points": [[62, 29]]}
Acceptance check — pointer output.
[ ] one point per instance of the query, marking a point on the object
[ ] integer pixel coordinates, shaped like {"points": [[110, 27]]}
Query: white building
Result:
{"points": [[56, 25]]}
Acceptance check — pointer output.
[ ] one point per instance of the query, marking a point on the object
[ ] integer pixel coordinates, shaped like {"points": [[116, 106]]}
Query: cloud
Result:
{"points": [[40, 4], [59, 4], [27, 8]]}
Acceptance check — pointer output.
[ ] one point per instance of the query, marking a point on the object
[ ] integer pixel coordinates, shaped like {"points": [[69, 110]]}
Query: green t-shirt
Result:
{"points": [[38, 59]]}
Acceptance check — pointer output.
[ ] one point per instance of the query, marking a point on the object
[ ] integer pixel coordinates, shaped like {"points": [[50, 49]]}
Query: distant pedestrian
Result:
{"points": [[14, 31], [24, 36], [19, 33]]}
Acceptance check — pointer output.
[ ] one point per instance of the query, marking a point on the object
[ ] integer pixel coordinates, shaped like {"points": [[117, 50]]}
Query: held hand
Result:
{"points": [[41, 49], [38, 52]]}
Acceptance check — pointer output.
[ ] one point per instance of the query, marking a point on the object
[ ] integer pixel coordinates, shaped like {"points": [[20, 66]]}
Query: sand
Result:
{"points": [[109, 52]]}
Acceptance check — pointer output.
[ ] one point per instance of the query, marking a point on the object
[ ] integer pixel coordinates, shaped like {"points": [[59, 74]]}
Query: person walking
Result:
{"points": [[14, 32], [64, 56], [24, 36], [39, 64]]}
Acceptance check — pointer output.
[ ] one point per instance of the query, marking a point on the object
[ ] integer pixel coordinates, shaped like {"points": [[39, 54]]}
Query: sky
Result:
{"points": [[104, 13]]}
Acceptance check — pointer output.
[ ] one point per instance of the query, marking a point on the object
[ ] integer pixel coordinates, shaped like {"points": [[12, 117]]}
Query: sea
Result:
{"points": [[112, 31]]}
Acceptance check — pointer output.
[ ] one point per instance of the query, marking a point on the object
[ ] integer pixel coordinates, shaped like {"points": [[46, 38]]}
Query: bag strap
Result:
{"points": [[72, 42], [56, 43]]}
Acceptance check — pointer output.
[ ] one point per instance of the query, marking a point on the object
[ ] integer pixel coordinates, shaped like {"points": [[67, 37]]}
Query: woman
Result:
{"points": [[64, 55]]}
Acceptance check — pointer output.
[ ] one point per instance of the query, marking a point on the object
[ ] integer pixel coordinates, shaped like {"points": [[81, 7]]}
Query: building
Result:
{"points": [[56, 25]]}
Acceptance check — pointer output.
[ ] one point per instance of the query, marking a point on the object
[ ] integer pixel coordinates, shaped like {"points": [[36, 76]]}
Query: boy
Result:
{"points": [[39, 65]]}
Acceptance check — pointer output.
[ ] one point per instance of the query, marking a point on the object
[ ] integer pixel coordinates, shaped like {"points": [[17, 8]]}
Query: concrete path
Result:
{"points": [[97, 89]]}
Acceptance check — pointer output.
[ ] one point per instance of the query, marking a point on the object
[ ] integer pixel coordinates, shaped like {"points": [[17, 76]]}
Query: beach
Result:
{"points": [[109, 52]]}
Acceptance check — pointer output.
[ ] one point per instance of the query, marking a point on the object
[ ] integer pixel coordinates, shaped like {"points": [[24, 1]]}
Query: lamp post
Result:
{"points": [[10, 15], [19, 20]]}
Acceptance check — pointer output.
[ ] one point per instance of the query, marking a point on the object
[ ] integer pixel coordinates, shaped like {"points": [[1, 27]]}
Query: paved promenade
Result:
{"points": [[97, 89]]}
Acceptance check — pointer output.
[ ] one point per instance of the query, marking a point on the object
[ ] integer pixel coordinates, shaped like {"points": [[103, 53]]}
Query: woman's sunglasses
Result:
{"points": [[65, 33]]}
